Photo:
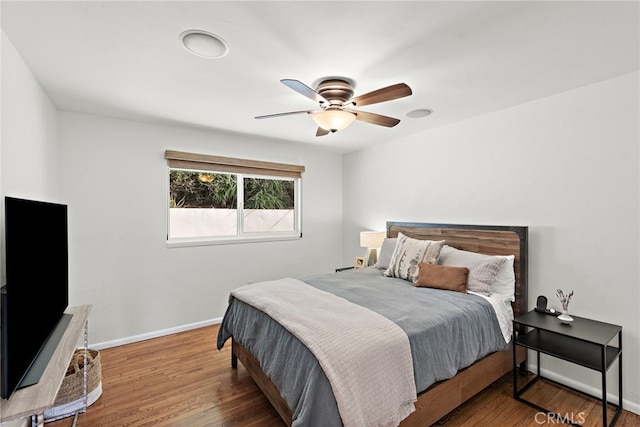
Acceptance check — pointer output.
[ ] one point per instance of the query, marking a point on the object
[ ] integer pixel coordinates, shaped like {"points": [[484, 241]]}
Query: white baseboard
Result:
{"points": [[155, 334], [593, 391]]}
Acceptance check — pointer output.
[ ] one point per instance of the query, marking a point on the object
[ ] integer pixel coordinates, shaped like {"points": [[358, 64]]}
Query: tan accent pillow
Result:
{"points": [[442, 277]]}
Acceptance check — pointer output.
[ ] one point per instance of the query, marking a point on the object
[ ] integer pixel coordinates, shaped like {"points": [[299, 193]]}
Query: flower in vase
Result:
{"points": [[564, 299]]}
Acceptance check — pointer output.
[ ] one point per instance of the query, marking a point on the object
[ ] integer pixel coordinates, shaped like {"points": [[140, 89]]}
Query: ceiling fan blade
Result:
{"points": [[388, 93], [376, 119], [321, 132], [290, 113], [304, 90]]}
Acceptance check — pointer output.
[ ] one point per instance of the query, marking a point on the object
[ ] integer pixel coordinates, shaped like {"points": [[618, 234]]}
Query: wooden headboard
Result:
{"points": [[484, 239]]}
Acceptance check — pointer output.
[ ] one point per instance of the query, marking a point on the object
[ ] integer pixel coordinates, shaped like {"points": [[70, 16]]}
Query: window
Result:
{"points": [[216, 199]]}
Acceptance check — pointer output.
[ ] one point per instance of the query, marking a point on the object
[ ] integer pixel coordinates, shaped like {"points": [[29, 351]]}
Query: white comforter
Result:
{"points": [[365, 356]]}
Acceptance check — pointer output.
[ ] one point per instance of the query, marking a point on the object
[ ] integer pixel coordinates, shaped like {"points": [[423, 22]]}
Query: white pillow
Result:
{"points": [[483, 269], [410, 252], [385, 253], [504, 284]]}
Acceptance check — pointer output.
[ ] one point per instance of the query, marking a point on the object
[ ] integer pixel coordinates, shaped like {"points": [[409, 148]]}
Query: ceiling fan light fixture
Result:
{"points": [[333, 120]]}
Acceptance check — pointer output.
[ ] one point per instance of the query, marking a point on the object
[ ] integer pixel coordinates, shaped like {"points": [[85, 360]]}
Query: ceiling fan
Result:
{"points": [[336, 102]]}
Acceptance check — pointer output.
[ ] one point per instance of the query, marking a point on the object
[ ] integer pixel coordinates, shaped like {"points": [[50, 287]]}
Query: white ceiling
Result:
{"points": [[462, 59]]}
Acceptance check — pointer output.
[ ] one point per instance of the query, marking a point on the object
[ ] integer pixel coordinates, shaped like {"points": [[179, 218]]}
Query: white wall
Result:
{"points": [[119, 261], [29, 131], [566, 166], [29, 144]]}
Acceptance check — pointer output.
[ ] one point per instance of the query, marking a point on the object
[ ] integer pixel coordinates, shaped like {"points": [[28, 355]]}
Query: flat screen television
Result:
{"points": [[36, 292]]}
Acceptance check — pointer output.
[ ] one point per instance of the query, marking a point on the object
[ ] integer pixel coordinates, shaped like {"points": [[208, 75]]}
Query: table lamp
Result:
{"points": [[371, 240]]}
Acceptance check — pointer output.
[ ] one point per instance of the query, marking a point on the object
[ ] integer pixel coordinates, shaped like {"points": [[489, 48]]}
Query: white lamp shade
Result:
{"points": [[371, 239], [333, 120]]}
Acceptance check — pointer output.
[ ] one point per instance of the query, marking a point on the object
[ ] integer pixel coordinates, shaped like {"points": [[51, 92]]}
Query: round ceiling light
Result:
{"points": [[333, 120], [204, 44], [419, 113]]}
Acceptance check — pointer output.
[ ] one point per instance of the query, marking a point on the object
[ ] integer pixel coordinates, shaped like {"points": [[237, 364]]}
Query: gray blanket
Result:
{"points": [[447, 331]]}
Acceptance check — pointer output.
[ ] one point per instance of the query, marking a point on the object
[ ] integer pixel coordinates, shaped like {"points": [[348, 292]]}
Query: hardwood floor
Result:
{"points": [[183, 380]]}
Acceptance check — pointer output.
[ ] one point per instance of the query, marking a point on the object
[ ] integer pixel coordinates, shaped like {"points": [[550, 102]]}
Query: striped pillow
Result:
{"points": [[482, 268], [408, 253]]}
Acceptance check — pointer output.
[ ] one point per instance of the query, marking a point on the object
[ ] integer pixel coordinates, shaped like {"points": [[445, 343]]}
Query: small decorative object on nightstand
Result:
{"points": [[564, 300], [565, 318]]}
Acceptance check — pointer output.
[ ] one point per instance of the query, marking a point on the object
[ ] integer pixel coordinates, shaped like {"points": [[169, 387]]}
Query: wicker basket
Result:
{"points": [[70, 398]]}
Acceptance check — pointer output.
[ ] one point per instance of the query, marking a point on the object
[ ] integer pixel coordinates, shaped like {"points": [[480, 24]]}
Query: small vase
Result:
{"points": [[564, 317]]}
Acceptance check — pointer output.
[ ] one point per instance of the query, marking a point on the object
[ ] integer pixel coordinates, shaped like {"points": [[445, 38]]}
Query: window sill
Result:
{"points": [[213, 241]]}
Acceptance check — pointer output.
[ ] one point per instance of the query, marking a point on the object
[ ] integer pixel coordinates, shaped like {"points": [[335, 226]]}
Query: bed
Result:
{"points": [[303, 387]]}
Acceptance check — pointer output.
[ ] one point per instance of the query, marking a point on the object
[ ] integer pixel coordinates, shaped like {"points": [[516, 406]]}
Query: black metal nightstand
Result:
{"points": [[584, 342], [344, 268]]}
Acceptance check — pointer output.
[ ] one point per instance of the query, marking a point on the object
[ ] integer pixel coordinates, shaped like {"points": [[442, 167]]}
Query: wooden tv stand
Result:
{"points": [[29, 403]]}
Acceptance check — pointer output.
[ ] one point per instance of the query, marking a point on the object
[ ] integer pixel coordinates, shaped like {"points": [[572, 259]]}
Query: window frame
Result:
{"points": [[242, 168]]}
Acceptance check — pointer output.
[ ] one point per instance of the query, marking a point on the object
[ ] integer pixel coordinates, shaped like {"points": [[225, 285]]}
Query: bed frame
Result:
{"points": [[444, 396]]}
